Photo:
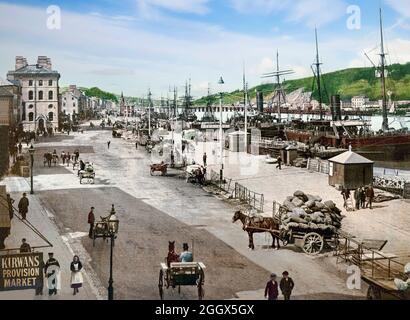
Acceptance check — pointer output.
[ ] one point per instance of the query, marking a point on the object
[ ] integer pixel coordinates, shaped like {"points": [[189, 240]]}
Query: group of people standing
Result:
{"points": [[363, 197], [66, 158], [285, 285]]}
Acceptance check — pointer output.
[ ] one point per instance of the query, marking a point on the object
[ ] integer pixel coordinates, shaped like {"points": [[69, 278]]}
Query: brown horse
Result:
{"points": [[251, 226], [172, 255]]}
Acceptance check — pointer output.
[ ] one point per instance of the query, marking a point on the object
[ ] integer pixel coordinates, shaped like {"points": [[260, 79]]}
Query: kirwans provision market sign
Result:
{"points": [[21, 271]]}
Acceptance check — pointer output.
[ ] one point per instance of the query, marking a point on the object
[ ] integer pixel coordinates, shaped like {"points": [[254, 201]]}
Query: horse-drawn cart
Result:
{"points": [[182, 274], [87, 174], [161, 167]]}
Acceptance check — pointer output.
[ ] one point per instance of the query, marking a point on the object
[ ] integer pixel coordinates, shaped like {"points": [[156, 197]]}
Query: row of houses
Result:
{"points": [[31, 100], [31, 97]]}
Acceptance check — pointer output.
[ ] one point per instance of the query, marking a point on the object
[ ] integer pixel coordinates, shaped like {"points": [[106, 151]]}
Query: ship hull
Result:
{"points": [[381, 149]]}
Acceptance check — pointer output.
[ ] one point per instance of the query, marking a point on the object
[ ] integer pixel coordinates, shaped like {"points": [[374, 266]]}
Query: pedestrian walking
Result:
{"points": [[25, 247], [63, 157], [370, 197], [10, 202], [77, 155], [136, 145], [172, 159], [23, 206], [357, 198], [109, 143], [271, 290], [52, 272], [204, 158], [20, 148], [76, 275], [286, 285], [68, 159], [279, 166], [363, 198], [91, 221], [346, 196]]}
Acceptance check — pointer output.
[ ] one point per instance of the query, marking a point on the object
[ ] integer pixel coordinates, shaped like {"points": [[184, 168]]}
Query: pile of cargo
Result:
{"points": [[307, 213]]}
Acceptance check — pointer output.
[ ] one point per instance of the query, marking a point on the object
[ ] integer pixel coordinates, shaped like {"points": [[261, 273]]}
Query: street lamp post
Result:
{"points": [[31, 151], [111, 232], [221, 174]]}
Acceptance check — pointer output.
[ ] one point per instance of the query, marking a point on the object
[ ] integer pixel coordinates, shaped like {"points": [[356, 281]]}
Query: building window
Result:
{"points": [[30, 106], [73, 104], [31, 116], [50, 116], [40, 95], [50, 106], [30, 83], [50, 95], [50, 83], [40, 83], [31, 95], [63, 104]]}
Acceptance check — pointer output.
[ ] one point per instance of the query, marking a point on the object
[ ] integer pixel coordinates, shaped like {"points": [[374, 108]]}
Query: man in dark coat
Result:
{"points": [[279, 166], [23, 206], [25, 247], [363, 198], [286, 285], [91, 221], [204, 158], [370, 197], [271, 290]]}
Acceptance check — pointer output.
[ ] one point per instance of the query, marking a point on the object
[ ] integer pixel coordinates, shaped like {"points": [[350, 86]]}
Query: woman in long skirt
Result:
{"points": [[76, 275]]}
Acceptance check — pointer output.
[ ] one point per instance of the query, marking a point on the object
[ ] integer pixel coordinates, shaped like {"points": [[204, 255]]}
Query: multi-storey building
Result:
{"points": [[40, 93]]}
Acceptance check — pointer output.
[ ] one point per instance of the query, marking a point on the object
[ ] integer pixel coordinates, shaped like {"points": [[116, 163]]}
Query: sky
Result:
{"points": [[132, 45]]}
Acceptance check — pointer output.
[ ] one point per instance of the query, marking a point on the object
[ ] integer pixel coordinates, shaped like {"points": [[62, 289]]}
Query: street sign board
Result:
{"points": [[21, 271]]}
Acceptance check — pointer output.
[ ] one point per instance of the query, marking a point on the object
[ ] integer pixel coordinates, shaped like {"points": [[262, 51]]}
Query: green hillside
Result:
{"points": [[98, 93], [347, 83]]}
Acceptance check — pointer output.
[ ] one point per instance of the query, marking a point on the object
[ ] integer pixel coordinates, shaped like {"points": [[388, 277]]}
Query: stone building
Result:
{"points": [[40, 93], [74, 102]]}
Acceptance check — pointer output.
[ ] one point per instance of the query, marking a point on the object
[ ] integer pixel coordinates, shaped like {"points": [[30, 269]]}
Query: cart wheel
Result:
{"points": [[151, 172], [374, 293], [161, 284], [313, 243]]}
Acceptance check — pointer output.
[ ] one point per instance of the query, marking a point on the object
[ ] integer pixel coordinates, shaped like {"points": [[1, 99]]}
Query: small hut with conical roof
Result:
{"points": [[350, 171]]}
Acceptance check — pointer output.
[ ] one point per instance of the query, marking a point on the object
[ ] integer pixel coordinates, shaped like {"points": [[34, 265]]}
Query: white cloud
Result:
{"points": [[311, 12], [401, 6], [95, 50], [185, 6]]}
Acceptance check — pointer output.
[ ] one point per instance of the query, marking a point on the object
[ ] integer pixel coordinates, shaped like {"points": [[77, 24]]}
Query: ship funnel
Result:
{"points": [[336, 108]]}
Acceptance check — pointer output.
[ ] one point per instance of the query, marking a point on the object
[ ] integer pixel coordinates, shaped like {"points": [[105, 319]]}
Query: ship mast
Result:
{"points": [[319, 88], [385, 126], [245, 107], [279, 90]]}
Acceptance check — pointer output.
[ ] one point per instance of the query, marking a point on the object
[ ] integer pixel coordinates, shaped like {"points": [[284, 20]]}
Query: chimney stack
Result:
{"points": [[44, 62], [21, 62]]}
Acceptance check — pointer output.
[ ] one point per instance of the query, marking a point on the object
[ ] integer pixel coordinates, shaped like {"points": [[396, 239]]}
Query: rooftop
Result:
{"points": [[34, 69], [350, 157]]}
